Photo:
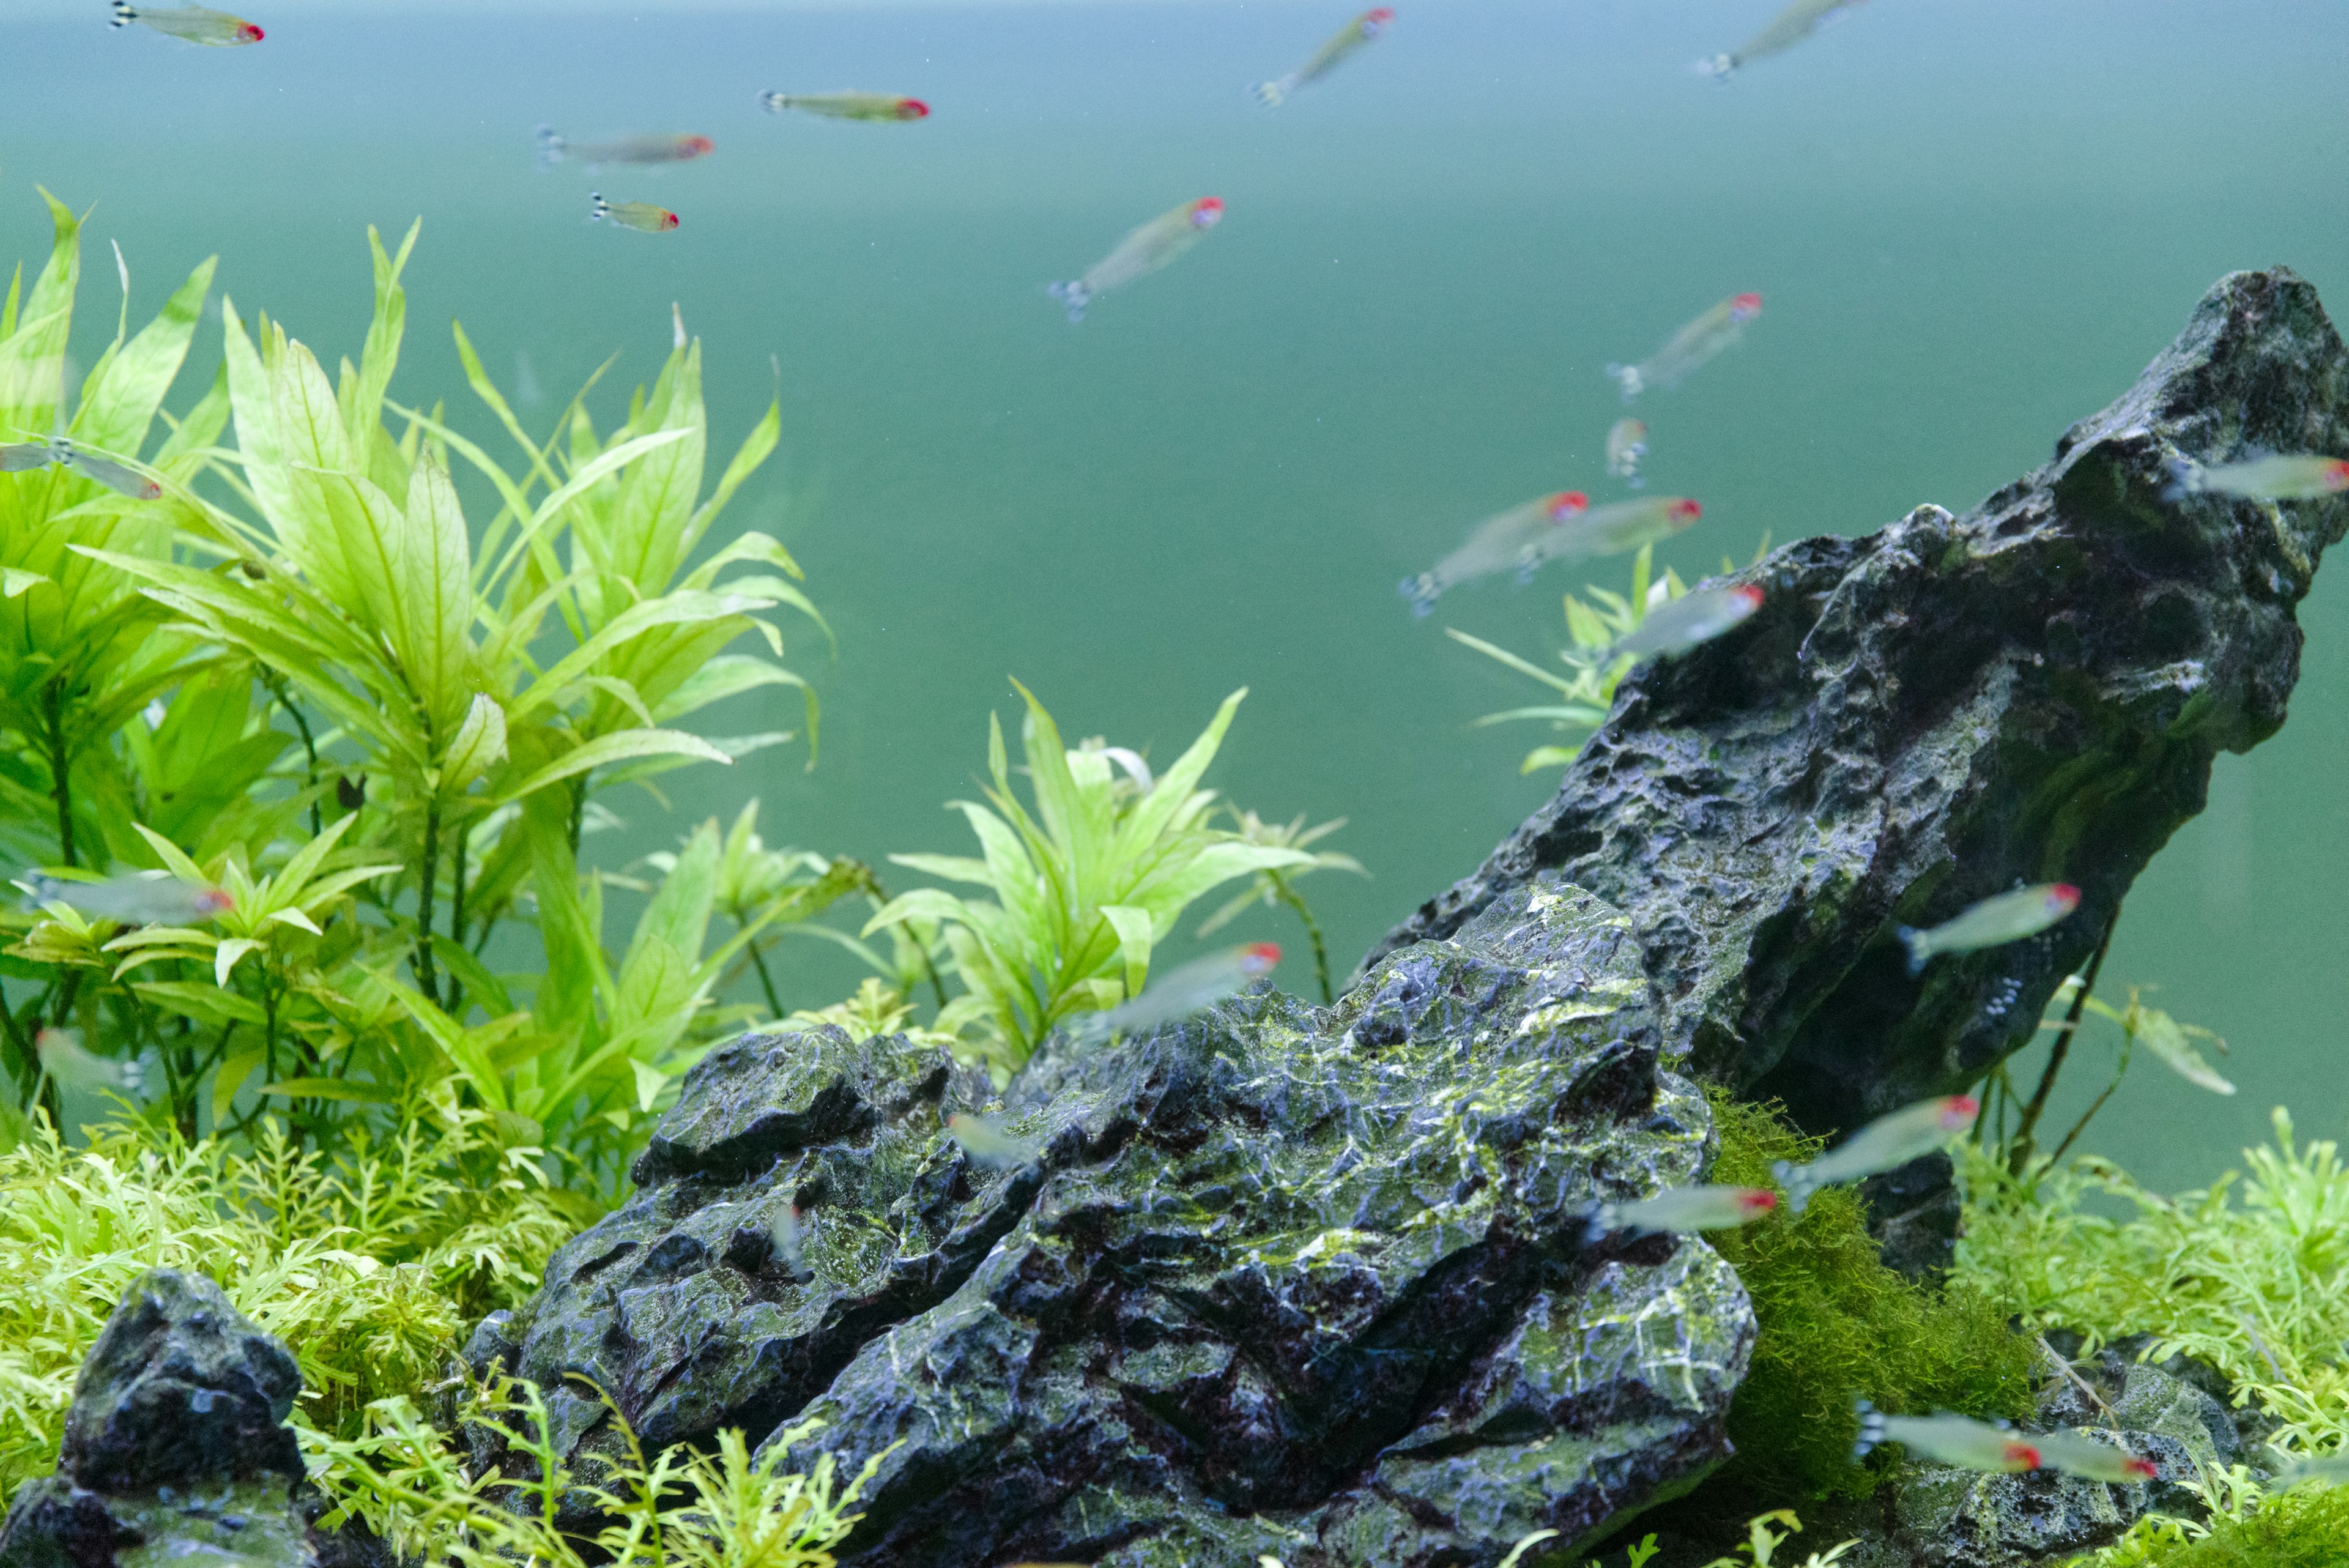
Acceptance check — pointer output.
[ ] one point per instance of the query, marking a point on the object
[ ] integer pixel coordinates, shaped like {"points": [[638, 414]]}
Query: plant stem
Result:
{"points": [[2090, 1113], [425, 979], [1288, 896], [766, 981], [457, 913], [60, 765], [276, 685], [15, 1031], [2019, 1153]]}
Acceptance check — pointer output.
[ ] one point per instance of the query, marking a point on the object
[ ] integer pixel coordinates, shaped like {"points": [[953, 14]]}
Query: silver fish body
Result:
{"points": [[1952, 1439], [1180, 991], [2301, 476], [1685, 1209], [1506, 541], [2091, 1458], [986, 1144], [72, 1065], [1361, 30], [1696, 617], [1787, 28], [789, 1232], [133, 900], [1154, 245], [1616, 527], [1885, 1144], [1691, 345], [1994, 922], [1627, 443]]}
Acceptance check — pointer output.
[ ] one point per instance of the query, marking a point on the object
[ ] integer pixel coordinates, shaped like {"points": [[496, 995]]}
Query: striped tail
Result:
{"points": [[1871, 1429], [1273, 94], [2185, 479], [1421, 592], [1798, 1182], [123, 15], [550, 147], [1920, 945], [1627, 377], [1720, 67], [1074, 295]]}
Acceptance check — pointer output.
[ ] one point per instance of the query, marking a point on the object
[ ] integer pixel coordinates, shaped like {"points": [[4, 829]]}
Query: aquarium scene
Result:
{"points": [[1168, 783]]}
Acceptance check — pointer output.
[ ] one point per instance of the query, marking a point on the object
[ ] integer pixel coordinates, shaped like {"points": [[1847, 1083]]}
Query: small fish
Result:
{"points": [[553, 149], [122, 481], [878, 107], [1696, 617], [641, 216], [986, 1144], [2078, 1454], [1344, 42], [1952, 1439], [1682, 1209], [64, 1060], [1618, 526], [134, 901], [196, 24], [1994, 922], [1691, 347], [2324, 1469], [1627, 443], [789, 1232], [2300, 477], [1789, 27], [1885, 1144], [1180, 993], [23, 457], [1506, 541], [1141, 252]]}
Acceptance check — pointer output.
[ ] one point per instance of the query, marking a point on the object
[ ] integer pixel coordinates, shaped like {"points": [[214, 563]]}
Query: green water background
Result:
{"points": [[1973, 221]]}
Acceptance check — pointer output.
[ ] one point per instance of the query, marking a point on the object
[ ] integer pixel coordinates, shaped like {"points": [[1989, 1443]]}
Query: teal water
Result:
{"points": [[1972, 221]]}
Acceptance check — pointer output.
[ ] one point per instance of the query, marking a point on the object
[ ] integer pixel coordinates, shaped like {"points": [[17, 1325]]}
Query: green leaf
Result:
{"points": [[117, 412], [1135, 936], [479, 742], [204, 1003], [331, 1089], [230, 1078], [432, 609], [616, 747]]}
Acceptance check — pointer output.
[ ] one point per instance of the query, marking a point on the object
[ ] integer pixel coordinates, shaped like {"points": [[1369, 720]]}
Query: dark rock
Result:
{"points": [[1316, 1283], [1914, 1213], [175, 1448], [1921, 718], [1269, 1288]]}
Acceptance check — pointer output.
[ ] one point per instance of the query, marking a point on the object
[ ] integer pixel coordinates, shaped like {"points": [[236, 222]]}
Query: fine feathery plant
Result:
{"points": [[1278, 884], [681, 1509], [1085, 887], [1592, 629], [370, 1263], [378, 729]]}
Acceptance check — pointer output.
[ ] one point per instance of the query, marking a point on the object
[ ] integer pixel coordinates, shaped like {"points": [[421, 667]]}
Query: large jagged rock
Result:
{"points": [[1316, 1283], [1928, 715], [176, 1447]]}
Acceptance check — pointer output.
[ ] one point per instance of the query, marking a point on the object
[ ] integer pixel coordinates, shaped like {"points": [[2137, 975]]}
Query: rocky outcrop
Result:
{"points": [[1317, 1284], [176, 1447], [1930, 715]]}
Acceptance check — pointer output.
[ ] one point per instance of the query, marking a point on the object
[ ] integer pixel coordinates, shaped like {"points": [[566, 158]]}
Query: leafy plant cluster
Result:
{"points": [[681, 1509], [369, 1263], [1593, 628], [304, 677]]}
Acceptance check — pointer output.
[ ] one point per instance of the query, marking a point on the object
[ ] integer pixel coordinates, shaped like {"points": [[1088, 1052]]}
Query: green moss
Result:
{"points": [[1837, 1324], [2306, 1528]]}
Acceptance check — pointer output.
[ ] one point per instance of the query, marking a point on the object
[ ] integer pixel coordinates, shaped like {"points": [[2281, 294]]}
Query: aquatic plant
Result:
{"points": [[1592, 628], [1765, 1533], [369, 1263], [405, 1481], [453, 700], [1278, 884], [1837, 1324], [1086, 886], [2245, 1527]]}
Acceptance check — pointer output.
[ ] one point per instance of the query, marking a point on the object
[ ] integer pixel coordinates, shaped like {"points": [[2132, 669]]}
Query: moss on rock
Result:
{"points": [[1837, 1324]]}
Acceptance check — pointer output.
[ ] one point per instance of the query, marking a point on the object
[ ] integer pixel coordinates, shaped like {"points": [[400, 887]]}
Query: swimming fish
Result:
{"points": [[1789, 27], [134, 901], [2078, 1454], [2297, 477], [1141, 252], [1627, 443], [1952, 1439], [2325, 1469], [1503, 542], [1689, 348], [64, 1059], [113, 475], [22, 457], [1181, 991], [985, 1143], [1344, 42], [1698, 615], [1686, 1209], [789, 1233], [2007, 918], [642, 216], [1885, 1144], [879, 107], [196, 24], [1615, 527], [554, 149]]}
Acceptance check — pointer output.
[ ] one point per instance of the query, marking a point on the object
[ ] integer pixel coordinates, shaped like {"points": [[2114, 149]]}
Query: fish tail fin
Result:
{"points": [[775, 102], [2185, 478], [1595, 1222], [1720, 67], [1920, 945], [1796, 1179], [597, 207], [1871, 1429], [1272, 94], [1074, 295], [1421, 592], [1627, 377], [123, 15], [550, 147]]}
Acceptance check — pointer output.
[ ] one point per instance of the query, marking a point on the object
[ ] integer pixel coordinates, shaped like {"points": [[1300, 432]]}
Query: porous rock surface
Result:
{"points": [[1315, 1283], [176, 1449]]}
